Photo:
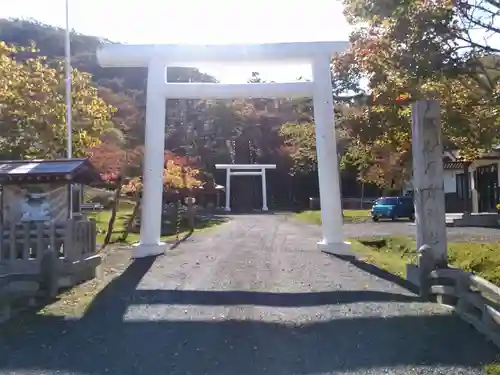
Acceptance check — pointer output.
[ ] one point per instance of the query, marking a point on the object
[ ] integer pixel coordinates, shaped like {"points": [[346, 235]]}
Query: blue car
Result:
{"points": [[393, 208]]}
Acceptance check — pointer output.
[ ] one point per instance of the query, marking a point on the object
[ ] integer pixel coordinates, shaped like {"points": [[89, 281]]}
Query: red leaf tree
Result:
{"points": [[115, 165]]}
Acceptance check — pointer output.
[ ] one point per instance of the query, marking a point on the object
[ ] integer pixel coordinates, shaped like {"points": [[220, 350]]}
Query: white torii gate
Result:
{"points": [[157, 58], [236, 170]]}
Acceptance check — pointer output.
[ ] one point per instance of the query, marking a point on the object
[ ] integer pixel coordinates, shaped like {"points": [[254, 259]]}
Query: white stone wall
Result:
{"points": [[448, 181]]}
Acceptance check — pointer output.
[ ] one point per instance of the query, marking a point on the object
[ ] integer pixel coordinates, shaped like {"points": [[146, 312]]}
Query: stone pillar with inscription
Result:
{"points": [[427, 149]]}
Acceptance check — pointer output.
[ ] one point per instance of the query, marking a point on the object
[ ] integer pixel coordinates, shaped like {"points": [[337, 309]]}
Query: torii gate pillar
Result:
{"points": [[158, 57], [328, 166]]}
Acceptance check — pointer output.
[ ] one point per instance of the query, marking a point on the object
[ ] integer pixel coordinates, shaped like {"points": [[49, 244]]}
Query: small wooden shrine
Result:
{"points": [[44, 240], [43, 190]]}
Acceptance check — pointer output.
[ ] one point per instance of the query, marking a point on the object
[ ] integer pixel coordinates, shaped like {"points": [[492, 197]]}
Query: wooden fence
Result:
{"points": [[473, 298], [37, 259]]}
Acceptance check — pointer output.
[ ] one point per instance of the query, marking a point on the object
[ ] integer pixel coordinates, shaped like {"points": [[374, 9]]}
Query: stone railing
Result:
{"points": [[474, 299], [38, 259]]}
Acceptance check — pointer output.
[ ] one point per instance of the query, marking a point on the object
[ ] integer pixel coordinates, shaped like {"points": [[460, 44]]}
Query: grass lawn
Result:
{"points": [[350, 216], [102, 219], [492, 369], [392, 253], [124, 212]]}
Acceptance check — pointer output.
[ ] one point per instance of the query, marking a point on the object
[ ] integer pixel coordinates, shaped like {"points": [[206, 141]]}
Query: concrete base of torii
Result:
{"points": [[143, 251], [336, 248]]}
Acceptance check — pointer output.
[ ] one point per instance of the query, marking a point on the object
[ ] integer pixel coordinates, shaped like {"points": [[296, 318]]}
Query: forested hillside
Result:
{"points": [[50, 41], [374, 128], [243, 131]]}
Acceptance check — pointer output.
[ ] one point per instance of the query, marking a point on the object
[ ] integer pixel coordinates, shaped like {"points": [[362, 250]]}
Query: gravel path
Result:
{"points": [[404, 228], [251, 297]]}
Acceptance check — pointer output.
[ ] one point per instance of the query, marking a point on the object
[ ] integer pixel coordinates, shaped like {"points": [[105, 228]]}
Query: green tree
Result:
{"points": [[32, 113], [300, 140]]}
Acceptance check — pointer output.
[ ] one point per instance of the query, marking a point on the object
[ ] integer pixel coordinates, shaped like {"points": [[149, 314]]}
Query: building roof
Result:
{"points": [[16, 172]]}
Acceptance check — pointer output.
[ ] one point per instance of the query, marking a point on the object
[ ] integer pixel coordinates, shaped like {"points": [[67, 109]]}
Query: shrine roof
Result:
{"points": [[453, 165], [78, 170]]}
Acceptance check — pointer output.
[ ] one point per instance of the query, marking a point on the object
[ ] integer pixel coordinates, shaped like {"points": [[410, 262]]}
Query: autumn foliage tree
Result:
{"points": [[180, 172], [32, 107], [300, 140], [408, 51], [115, 164], [121, 168]]}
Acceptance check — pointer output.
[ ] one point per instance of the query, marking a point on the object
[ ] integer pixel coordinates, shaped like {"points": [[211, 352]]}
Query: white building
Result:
{"points": [[481, 185]]}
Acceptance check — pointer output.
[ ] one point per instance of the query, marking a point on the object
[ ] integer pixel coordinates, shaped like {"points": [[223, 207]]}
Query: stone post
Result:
{"points": [[228, 190], [217, 199], [191, 212], [426, 265], [428, 179]]}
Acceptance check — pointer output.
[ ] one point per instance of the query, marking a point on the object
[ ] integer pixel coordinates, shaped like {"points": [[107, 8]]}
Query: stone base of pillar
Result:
{"points": [[335, 248], [265, 209], [144, 251], [227, 209]]}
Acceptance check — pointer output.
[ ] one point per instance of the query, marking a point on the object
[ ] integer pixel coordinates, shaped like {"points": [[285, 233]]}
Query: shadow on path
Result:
{"points": [[379, 272], [102, 342], [232, 298]]}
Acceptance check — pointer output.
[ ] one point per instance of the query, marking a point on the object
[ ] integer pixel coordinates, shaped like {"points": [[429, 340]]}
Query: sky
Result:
{"points": [[198, 22]]}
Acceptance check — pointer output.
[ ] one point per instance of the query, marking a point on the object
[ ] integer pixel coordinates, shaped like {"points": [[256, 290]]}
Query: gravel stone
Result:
{"points": [[405, 228], [253, 296]]}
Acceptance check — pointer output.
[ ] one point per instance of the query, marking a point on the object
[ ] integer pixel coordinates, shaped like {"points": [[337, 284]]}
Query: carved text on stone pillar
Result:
{"points": [[428, 178]]}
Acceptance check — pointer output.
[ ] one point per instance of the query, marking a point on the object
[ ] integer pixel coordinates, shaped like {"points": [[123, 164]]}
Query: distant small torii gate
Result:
{"points": [[157, 59], [239, 170]]}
